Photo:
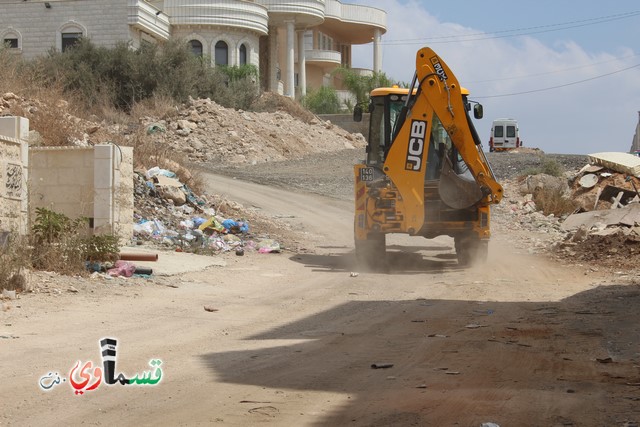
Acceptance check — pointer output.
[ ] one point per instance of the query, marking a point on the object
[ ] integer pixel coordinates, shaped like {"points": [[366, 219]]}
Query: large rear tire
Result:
{"points": [[471, 250]]}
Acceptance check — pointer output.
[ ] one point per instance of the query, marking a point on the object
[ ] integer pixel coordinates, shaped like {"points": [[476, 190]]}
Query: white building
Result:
{"points": [[294, 44]]}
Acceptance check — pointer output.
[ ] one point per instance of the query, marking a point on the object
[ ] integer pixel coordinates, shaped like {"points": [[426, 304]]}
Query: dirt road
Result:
{"points": [[290, 338]]}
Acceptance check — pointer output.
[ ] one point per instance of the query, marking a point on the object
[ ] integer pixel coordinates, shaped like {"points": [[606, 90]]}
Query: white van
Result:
{"points": [[504, 135]]}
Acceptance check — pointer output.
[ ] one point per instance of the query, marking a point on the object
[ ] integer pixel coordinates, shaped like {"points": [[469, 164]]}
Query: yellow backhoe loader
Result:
{"points": [[425, 173]]}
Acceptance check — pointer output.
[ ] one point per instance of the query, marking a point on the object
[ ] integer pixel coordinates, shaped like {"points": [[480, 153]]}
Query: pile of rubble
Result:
{"points": [[605, 227], [206, 132]]}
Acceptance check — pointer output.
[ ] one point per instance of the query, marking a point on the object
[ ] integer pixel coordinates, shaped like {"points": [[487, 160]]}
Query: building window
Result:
{"points": [[222, 53], [11, 43], [308, 40], [69, 40], [243, 54], [325, 42], [196, 47]]}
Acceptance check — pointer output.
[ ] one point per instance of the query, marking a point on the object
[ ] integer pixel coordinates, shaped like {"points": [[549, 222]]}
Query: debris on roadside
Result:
{"points": [[604, 226], [381, 365], [168, 214]]}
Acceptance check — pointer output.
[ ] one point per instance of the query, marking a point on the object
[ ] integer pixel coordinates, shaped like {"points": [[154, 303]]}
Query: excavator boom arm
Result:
{"points": [[438, 93]]}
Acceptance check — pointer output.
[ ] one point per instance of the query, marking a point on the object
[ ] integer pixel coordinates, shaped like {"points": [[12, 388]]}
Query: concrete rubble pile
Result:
{"points": [[606, 226]]}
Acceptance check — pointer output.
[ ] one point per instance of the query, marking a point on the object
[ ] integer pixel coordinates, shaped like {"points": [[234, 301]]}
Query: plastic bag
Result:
{"points": [[122, 268]]}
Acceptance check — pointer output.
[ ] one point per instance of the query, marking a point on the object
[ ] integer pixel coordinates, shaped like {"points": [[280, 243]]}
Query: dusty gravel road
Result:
{"points": [[292, 337]]}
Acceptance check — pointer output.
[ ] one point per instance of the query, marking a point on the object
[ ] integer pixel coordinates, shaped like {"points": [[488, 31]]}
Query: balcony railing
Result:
{"points": [[317, 55], [245, 15], [145, 17], [356, 13]]}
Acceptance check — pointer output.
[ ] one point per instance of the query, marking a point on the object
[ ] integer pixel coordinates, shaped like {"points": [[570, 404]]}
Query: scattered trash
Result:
{"points": [[268, 246], [421, 386], [210, 309], [353, 274], [239, 251], [270, 411], [489, 424], [475, 326], [588, 180], [142, 271], [381, 365], [437, 336], [155, 128], [72, 289], [122, 269], [181, 220], [605, 360]]}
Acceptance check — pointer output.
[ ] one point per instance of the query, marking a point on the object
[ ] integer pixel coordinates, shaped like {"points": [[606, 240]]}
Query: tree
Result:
{"points": [[361, 85]]}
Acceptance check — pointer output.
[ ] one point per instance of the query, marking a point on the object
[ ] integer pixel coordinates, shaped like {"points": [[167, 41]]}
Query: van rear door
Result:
{"points": [[511, 140]]}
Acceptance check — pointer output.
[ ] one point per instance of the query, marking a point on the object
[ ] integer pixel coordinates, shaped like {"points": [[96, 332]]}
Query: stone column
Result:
{"points": [[377, 51], [289, 87], [302, 65]]}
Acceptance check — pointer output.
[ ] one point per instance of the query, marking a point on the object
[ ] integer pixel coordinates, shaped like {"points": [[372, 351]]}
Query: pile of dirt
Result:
{"points": [[206, 132]]}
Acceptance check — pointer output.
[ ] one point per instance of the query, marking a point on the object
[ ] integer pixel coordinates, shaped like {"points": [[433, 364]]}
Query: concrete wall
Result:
{"points": [[95, 182], [345, 121], [39, 28], [14, 162]]}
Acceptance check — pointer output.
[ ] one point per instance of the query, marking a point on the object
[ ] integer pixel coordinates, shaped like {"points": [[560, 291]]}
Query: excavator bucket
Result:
{"points": [[457, 191]]}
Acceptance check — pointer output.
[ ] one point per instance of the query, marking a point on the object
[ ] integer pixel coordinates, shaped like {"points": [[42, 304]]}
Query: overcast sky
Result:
{"points": [[568, 71]]}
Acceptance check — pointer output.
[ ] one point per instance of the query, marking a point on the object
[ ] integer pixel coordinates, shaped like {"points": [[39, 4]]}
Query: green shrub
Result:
{"points": [[548, 166], [123, 76], [101, 247], [64, 245], [322, 101]]}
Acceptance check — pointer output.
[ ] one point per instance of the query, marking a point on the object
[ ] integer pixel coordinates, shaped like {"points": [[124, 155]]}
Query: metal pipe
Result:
{"points": [[138, 257]]}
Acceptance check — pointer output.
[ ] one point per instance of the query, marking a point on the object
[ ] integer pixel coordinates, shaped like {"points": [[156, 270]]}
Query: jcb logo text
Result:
{"points": [[416, 145]]}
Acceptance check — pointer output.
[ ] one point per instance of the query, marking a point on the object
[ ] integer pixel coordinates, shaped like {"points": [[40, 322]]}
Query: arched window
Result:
{"points": [[11, 40], [243, 54], [69, 35], [222, 53], [196, 47]]}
